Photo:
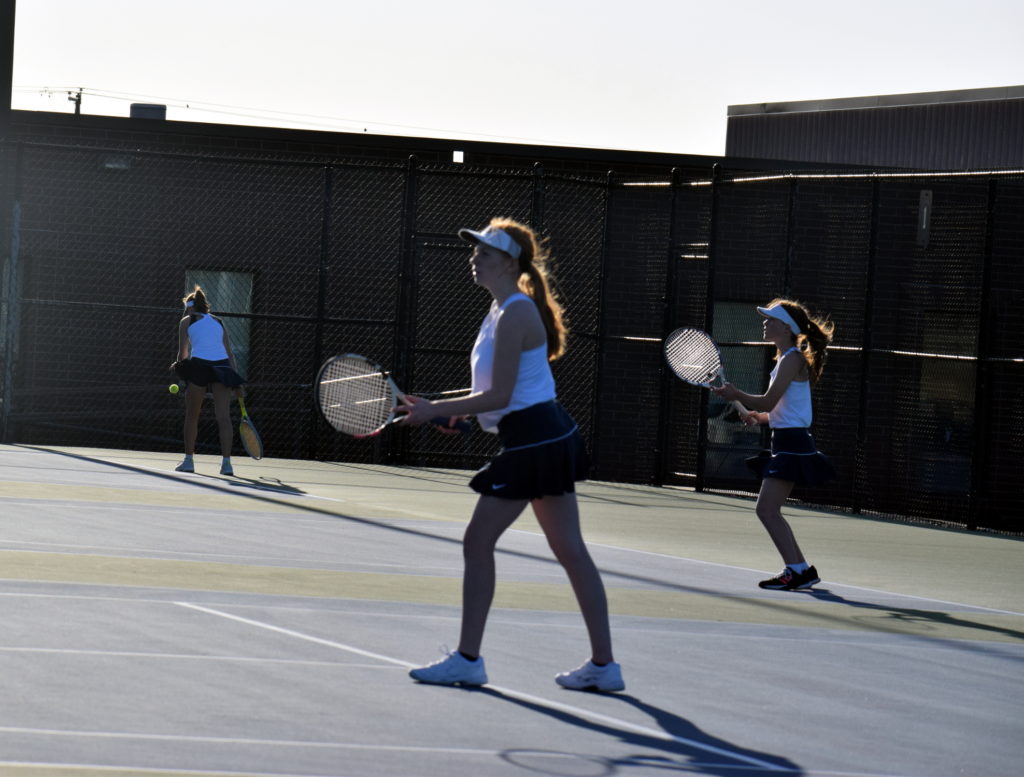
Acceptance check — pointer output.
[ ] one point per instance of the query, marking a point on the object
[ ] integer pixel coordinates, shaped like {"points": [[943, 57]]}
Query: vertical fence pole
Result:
{"points": [[595, 411], [537, 204], [323, 267], [11, 324], [978, 498], [860, 457], [404, 336], [787, 272], [663, 451], [709, 320]]}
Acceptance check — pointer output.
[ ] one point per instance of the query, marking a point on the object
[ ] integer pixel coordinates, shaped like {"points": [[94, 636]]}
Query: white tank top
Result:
{"points": [[793, 410], [207, 338], [534, 383]]}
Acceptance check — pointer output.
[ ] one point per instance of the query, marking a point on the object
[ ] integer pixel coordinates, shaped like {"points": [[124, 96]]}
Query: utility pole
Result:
{"points": [[77, 100]]}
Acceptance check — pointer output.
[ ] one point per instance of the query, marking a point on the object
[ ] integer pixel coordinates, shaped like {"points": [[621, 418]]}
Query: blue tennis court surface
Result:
{"points": [[159, 623]]}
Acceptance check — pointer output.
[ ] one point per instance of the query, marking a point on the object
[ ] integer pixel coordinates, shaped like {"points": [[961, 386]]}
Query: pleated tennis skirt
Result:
{"points": [[793, 457], [542, 454], [203, 372]]}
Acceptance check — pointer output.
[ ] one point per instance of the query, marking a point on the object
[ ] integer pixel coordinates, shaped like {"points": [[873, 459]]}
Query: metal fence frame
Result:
{"points": [[638, 256]]}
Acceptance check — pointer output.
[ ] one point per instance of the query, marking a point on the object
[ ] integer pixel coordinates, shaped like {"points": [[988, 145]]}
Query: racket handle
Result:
{"points": [[462, 425]]}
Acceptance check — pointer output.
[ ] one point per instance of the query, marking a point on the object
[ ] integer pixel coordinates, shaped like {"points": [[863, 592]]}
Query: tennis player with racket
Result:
{"points": [[800, 341], [542, 454], [205, 361]]}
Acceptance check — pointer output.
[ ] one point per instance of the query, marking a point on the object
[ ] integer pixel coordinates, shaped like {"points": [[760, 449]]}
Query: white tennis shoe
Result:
{"points": [[453, 669], [591, 677], [186, 465]]}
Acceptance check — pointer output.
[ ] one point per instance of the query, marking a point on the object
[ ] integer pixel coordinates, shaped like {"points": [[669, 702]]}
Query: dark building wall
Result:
{"points": [[970, 135]]}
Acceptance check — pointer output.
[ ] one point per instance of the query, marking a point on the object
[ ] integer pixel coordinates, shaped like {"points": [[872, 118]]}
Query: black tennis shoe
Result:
{"points": [[791, 580]]}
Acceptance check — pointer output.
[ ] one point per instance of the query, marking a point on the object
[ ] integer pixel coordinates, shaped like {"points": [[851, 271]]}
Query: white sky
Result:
{"points": [[651, 75]]}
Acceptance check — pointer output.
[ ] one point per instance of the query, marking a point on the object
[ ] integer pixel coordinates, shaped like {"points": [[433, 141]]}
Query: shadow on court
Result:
{"points": [[907, 615], [685, 749]]}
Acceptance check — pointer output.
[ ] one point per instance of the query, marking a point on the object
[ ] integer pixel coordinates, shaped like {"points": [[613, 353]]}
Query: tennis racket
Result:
{"points": [[247, 432], [358, 398], [695, 358]]}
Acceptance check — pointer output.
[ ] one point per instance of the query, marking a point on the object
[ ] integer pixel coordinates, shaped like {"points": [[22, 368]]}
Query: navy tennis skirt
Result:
{"points": [[793, 457], [203, 372], [542, 454]]}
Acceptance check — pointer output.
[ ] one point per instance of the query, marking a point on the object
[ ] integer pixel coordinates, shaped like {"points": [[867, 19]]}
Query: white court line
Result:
{"points": [[505, 617], [537, 700], [184, 657], [235, 741]]}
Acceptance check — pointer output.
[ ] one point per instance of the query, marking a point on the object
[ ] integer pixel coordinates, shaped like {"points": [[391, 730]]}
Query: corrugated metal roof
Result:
{"points": [[881, 101], [962, 134]]}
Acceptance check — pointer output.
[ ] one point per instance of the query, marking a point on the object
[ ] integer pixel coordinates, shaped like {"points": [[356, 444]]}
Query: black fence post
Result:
{"points": [[787, 271], [670, 301], [323, 268], [10, 286], [709, 320], [865, 355], [537, 204], [595, 411], [405, 337], [982, 442]]}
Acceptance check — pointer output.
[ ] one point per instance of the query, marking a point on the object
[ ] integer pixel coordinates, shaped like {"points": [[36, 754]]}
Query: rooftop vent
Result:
{"points": [[148, 111]]}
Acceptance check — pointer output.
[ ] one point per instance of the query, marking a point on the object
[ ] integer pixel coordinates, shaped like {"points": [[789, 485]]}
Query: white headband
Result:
{"points": [[779, 312], [495, 238]]}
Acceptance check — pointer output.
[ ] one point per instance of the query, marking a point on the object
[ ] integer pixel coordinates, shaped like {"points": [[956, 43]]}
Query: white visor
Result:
{"points": [[779, 312], [495, 238]]}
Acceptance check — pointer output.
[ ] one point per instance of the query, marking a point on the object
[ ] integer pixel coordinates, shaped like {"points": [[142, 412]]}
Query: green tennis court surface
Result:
{"points": [[159, 623]]}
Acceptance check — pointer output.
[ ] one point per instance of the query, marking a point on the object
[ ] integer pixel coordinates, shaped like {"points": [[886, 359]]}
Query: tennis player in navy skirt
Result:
{"points": [[542, 454], [205, 363], [800, 341]]}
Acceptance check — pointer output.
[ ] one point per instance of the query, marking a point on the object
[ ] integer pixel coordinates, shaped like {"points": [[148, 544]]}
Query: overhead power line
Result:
{"points": [[266, 114]]}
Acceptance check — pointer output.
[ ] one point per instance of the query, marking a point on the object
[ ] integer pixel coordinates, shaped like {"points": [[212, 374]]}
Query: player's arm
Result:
{"points": [[183, 341], [513, 331], [789, 369]]}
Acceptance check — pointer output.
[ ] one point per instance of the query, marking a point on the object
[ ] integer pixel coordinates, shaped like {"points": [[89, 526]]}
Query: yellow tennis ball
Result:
{"points": [[174, 388]]}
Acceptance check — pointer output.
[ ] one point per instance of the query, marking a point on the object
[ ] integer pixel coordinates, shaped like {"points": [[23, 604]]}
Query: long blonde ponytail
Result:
{"points": [[535, 282]]}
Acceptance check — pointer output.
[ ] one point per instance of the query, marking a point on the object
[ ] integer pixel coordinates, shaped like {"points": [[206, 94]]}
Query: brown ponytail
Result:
{"points": [[198, 300], [535, 282], [815, 338]]}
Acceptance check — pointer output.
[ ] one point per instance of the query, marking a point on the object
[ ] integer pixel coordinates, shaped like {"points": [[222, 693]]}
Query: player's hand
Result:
{"points": [[448, 427], [726, 391], [415, 412]]}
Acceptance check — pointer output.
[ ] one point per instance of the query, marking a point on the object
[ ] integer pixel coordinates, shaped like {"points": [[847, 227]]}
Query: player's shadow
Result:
{"points": [[273, 485], [893, 617], [685, 748]]}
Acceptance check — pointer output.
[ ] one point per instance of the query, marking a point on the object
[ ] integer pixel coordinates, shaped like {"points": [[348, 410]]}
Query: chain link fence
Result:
{"points": [[918, 407]]}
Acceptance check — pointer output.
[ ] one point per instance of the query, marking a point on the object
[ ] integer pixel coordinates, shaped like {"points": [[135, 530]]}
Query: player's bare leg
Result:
{"points": [[491, 518]]}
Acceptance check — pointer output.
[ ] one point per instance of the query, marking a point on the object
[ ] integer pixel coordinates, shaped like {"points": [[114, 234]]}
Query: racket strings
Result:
{"points": [[693, 356], [355, 396]]}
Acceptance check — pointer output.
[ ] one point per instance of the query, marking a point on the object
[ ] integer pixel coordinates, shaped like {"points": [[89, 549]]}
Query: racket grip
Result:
{"points": [[462, 425]]}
